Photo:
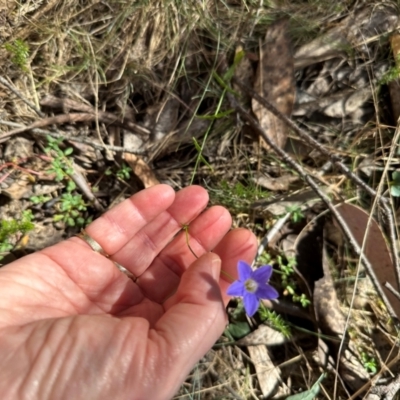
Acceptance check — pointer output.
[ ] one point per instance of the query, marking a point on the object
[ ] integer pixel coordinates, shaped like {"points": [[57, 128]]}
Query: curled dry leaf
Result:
{"points": [[141, 170], [275, 81], [280, 183]]}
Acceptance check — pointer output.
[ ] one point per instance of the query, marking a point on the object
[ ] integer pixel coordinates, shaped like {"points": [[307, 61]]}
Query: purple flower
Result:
{"points": [[252, 286]]}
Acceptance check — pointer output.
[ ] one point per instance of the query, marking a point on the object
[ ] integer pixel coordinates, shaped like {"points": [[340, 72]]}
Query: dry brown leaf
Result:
{"points": [[375, 249], [141, 170], [275, 81], [280, 183]]}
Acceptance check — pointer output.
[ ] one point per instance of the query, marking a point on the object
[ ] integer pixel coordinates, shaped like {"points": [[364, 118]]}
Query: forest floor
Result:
{"points": [[100, 99]]}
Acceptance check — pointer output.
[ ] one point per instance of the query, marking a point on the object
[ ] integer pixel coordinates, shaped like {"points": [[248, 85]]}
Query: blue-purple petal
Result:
{"points": [[262, 274], [266, 292], [244, 270], [236, 289], [251, 303]]}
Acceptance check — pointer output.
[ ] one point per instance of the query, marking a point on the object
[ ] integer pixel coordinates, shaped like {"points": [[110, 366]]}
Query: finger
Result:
{"points": [[140, 251], [117, 226], [239, 244], [205, 232], [191, 326]]}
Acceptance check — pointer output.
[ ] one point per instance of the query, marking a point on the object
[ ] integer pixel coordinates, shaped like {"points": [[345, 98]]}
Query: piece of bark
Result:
{"points": [[268, 374]]}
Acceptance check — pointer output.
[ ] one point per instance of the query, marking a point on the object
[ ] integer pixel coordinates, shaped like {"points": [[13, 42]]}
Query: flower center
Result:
{"points": [[251, 285]]}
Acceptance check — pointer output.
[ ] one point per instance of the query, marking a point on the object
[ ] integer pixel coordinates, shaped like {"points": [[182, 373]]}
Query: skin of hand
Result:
{"points": [[72, 326]]}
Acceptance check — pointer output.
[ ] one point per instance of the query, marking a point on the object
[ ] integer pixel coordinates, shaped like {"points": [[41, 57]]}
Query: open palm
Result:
{"points": [[72, 326]]}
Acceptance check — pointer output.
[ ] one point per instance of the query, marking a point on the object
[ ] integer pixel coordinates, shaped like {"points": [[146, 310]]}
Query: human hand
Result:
{"points": [[72, 326]]}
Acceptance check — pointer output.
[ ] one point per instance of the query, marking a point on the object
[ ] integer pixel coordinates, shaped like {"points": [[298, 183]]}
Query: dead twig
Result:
{"points": [[78, 139], [82, 184], [103, 116], [393, 290], [58, 120], [18, 94]]}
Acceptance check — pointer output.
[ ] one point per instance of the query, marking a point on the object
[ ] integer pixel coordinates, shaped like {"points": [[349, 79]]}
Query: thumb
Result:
{"points": [[195, 316]]}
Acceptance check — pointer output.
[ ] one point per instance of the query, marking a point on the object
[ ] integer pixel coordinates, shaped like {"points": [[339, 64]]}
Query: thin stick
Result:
{"points": [[392, 289], [90, 142], [58, 120], [107, 117], [18, 94]]}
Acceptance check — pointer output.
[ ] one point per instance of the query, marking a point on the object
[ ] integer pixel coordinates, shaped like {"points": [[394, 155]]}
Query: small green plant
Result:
{"points": [[61, 165], [71, 205], [237, 197], [20, 53], [275, 320], [286, 270], [39, 199], [296, 213], [369, 363], [392, 73], [11, 229], [123, 172], [70, 209]]}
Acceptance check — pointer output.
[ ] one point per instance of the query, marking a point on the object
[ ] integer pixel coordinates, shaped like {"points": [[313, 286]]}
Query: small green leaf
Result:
{"points": [[71, 186], [74, 213], [229, 74], [215, 116], [237, 330], [80, 221], [308, 394], [396, 177], [68, 151], [58, 217], [202, 159], [395, 191], [70, 221]]}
